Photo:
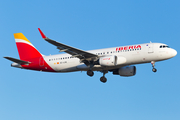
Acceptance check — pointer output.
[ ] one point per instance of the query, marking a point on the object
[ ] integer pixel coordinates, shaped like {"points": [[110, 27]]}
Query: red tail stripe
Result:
{"points": [[27, 51]]}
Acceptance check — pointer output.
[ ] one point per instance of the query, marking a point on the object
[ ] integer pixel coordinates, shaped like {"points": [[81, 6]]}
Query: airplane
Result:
{"points": [[118, 60]]}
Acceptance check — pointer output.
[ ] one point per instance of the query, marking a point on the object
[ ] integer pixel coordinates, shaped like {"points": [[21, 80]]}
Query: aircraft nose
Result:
{"points": [[173, 53]]}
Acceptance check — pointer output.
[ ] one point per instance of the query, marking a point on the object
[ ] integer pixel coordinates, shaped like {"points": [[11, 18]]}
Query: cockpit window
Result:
{"points": [[164, 46]]}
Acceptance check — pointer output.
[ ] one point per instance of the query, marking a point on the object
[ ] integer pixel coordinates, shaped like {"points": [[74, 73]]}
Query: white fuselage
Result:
{"points": [[146, 53]]}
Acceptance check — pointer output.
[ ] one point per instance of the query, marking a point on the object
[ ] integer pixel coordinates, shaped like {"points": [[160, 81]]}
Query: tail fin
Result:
{"points": [[25, 49]]}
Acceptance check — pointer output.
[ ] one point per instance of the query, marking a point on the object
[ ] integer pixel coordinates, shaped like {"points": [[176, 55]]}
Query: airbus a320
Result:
{"points": [[118, 60]]}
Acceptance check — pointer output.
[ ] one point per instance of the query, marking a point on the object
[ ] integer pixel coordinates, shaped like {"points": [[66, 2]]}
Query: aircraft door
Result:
{"points": [[41, 62], [150, 48]]}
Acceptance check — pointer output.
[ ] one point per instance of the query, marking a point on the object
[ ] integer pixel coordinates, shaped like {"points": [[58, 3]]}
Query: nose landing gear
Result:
{"points": [[154, 70], [153, 65]]}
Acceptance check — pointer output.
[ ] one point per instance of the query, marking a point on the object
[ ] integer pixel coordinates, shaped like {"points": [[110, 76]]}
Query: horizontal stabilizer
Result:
{"points": [[21, 62]]}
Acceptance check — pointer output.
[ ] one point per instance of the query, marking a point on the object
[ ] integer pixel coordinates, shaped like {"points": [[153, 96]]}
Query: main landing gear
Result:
{"points": [[103, 78], [90, 73], [153, 65]]}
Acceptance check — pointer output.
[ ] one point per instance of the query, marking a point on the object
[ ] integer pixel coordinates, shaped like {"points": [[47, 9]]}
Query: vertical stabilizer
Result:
{"points": [[25, 48]]}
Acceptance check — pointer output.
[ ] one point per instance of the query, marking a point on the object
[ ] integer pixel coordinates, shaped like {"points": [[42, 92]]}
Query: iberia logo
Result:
{"points": [[128, 47]]}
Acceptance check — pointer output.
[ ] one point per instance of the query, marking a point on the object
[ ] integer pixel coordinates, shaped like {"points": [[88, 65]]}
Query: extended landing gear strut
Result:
{"points": [[90, 72], [103, 78], [153, 65]]}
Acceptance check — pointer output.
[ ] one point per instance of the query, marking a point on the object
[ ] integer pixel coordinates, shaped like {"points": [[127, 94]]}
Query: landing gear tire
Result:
{"points": [[154, 70], [103, 79], [90, 73]]}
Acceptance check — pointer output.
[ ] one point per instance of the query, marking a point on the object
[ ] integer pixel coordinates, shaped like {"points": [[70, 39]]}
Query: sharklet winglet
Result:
{"points": [[42, 34]]}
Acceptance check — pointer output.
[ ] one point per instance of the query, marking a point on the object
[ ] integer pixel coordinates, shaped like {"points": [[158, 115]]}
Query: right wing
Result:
{"points": [[82, 55]]}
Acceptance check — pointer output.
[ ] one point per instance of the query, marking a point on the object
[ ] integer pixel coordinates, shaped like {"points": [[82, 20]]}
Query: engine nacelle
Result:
{"points": [[126, 71], [107, 61], [112, 60]]}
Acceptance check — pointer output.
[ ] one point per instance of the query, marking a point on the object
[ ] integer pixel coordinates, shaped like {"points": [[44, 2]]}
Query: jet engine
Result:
{"points": [[125, 71], [112, 60], [107, 61]]}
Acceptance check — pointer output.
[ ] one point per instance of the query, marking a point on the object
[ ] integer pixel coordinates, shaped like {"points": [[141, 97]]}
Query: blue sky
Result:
{"points": [[32, 95]]}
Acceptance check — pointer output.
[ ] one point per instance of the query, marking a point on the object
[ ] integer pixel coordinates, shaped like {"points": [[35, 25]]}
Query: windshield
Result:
{"points": [[164, 46]]}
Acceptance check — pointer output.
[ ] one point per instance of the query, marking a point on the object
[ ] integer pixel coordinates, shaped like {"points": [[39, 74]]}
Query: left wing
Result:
{"points": [[82, 55]]}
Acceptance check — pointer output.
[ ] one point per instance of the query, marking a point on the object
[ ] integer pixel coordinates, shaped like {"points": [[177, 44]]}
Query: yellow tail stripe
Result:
{"points": [[21, 36]]}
